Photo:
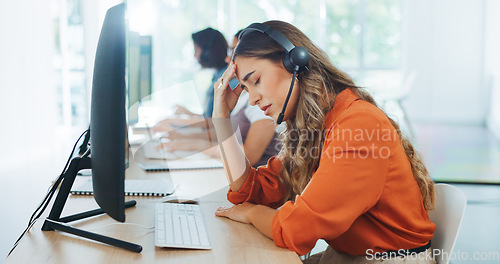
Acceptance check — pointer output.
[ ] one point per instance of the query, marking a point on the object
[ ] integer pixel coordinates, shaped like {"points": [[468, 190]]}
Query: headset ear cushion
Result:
{"points": [[298, 56], [287, 62]]}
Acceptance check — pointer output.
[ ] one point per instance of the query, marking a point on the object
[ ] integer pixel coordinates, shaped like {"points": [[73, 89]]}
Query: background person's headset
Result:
{"points": [[295, 58]]}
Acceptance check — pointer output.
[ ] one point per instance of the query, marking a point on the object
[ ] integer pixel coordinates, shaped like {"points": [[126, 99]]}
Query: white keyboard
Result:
{"points": [[180, 226]]}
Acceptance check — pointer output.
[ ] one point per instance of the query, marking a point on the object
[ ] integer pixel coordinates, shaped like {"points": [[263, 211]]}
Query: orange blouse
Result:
{"points": [[362, 197]]}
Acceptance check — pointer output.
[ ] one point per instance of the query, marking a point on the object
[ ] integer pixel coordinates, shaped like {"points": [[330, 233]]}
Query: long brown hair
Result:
{"points": [[318, 88]]}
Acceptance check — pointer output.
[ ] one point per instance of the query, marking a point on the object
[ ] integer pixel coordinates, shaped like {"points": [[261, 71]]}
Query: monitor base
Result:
{"points": [[54, 220]]}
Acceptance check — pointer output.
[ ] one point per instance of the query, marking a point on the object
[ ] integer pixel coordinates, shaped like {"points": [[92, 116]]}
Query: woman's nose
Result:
{"points": [[253, 97]]}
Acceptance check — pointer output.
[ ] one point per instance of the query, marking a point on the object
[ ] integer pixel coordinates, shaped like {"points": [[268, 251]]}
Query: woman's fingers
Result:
{"points": [[227, 76], [237, 212], [181, 110], [225, 99], [172, 134], [165, 145], [229, 73], [222, 211], [172, 146]]}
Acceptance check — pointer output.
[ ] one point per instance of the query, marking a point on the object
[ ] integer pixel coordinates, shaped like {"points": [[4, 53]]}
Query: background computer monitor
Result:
{"points": [[108, 124], [139, 72]]}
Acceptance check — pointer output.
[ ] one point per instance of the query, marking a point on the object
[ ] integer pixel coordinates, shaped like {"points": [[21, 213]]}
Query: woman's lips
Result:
{"points": [[266, 109]]}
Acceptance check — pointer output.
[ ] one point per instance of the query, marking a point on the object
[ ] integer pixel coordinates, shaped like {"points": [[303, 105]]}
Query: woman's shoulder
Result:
{"points": [[347, 105], [359, 110], [360, 117]]}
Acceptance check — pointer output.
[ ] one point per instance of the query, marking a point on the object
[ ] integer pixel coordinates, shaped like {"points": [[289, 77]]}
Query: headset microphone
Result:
{"points": [[295, 58], [282, 114]]}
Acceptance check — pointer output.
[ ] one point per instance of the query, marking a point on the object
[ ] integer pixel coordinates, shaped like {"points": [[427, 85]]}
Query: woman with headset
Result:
{"points": [[257, 131], [345, 173]]}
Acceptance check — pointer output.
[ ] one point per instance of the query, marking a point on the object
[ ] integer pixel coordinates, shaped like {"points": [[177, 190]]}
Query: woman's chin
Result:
{"points": [[274, 117]]}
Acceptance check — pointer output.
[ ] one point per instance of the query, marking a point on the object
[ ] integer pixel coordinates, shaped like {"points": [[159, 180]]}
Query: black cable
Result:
{"points": [[54, 187], [45, 202], [85, 145]]}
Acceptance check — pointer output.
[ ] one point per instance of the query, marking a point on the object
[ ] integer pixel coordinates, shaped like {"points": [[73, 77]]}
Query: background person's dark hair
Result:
{"points": [[214, 48]]}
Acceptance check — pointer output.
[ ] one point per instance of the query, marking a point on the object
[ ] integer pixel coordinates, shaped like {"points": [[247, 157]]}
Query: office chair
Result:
{"points": [[448, 214]]}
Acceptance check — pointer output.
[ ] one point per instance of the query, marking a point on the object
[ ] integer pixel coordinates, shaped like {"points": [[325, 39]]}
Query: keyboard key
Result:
{"points": [[194, 234], [186, 238]]}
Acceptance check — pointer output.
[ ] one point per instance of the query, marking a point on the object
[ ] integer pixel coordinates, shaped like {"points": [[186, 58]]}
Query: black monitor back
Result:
{"points": [[108, 115]]}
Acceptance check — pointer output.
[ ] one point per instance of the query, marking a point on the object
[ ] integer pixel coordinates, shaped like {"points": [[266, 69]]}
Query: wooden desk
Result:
{"points": [[232, 242]]}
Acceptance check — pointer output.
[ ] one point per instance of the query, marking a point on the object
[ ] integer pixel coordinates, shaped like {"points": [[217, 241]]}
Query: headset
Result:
{"points": [[295, 58]]}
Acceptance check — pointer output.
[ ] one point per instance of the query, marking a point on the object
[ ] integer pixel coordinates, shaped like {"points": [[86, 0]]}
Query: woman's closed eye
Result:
{"points": [[246, 88]]}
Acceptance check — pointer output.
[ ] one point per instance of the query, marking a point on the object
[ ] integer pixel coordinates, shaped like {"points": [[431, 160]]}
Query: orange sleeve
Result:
{"points": [[262, 186], [348, 182]]}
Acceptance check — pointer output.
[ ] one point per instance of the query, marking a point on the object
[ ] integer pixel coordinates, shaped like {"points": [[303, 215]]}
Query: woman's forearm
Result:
{"points": [[235, 162], [262, 217]]}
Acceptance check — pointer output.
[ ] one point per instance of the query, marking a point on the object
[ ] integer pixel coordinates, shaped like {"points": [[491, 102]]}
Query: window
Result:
{"points": [[69, 63], [361, 37], [364, 39]]}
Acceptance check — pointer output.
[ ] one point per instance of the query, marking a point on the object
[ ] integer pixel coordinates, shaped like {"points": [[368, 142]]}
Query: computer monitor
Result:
{"points": [[139, 71], [108, 138], [108, 115]]}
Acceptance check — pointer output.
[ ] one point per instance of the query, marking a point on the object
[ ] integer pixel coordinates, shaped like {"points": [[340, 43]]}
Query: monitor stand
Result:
{"points": [[77, 164]]}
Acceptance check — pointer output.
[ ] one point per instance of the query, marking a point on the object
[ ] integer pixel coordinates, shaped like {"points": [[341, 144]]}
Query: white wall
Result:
{"points": [[444, 41], [33, 148], [492, 63], [28, 104], [28, 112], [494, 114]]}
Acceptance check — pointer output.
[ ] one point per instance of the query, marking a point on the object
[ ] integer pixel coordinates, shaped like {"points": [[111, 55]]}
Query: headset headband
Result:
{"points": [[274, 34]]}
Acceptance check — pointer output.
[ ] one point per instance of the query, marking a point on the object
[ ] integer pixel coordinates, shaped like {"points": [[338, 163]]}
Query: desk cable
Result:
{"points": [[50, 193]]}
